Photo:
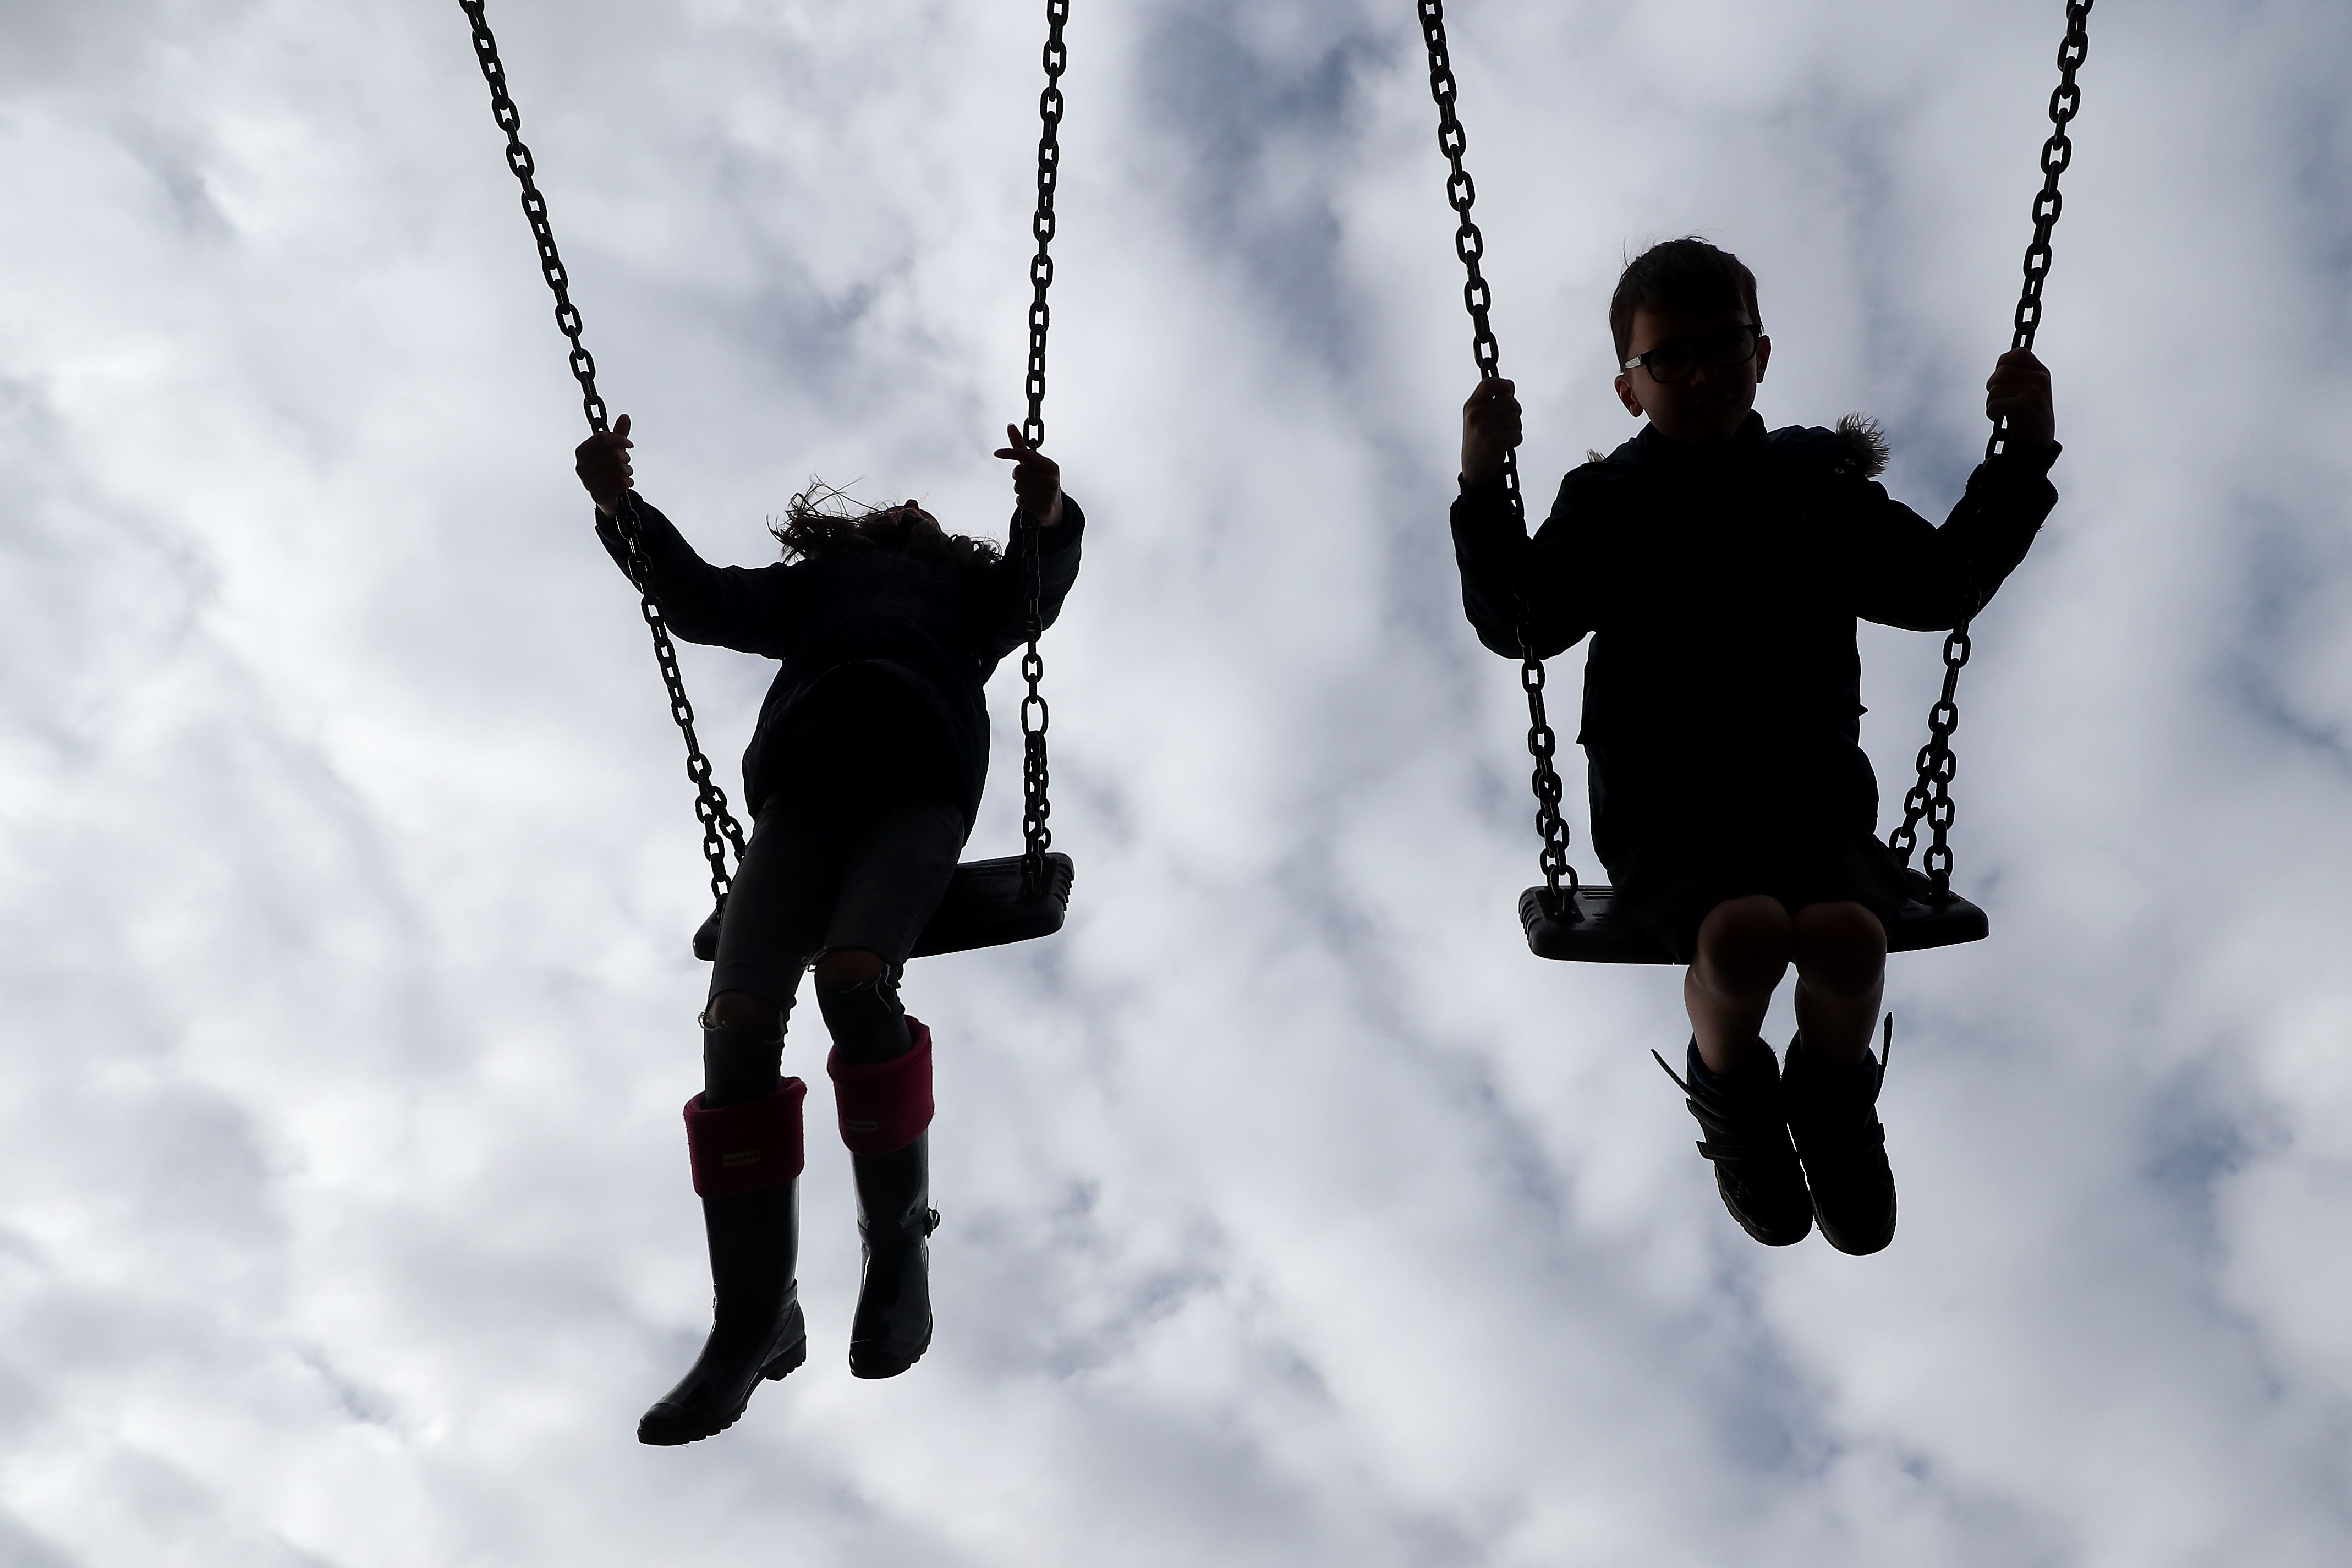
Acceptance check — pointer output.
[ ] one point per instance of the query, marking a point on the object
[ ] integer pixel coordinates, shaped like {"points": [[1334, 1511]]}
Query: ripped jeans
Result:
{"points": [[817, 878]]}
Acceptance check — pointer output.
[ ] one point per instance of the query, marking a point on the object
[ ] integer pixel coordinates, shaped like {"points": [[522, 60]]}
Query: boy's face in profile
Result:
{"points": [[1701, 397]]}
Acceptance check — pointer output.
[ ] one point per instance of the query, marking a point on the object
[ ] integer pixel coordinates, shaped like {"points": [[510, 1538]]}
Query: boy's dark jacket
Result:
{"points": [[1721, 585], [939, 630]]}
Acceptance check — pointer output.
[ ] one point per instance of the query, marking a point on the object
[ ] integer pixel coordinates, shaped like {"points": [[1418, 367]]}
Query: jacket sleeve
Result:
{"points": [[1910, 573], [751, 609], [1006, 614], [1556, 574]]}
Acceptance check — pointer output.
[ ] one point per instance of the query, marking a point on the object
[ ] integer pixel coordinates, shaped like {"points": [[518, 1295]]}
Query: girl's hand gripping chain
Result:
{"points": [[602, 464], [1037, 479]]}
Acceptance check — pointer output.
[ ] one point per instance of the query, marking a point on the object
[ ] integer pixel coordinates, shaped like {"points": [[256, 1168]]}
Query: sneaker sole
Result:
{"points": [[1757, 1232], [1861, 1247]]}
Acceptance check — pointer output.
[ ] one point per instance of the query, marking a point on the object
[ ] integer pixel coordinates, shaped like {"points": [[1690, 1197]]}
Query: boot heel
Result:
{"points": [[790, 1358]]}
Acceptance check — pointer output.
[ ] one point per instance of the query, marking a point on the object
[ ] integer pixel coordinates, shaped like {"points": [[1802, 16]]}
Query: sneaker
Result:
{"points": [[1833, 1116], [1755, 1169]]}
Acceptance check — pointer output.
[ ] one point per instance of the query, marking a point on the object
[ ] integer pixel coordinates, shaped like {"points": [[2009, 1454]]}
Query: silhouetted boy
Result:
{"points": [[1720, 570]]}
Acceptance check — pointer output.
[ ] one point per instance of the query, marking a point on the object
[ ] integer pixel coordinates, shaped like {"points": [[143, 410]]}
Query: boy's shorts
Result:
{"points": [[1667, 886]]}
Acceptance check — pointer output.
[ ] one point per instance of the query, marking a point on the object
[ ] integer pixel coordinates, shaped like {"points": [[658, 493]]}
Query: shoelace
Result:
{"points": [[1842, 1133], [1727, 1138]]}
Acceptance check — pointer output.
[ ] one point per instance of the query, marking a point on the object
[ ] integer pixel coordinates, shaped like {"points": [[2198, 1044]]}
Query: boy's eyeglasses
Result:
{"points": [[1673, 361]]}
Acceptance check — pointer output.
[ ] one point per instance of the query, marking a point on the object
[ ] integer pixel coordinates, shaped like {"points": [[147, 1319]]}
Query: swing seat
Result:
{"points": [[1599, 934], [983, 907]]}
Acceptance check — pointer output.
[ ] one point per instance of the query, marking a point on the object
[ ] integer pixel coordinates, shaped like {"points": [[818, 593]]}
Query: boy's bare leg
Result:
{"points": [[1841, 958], [1744, 948]]}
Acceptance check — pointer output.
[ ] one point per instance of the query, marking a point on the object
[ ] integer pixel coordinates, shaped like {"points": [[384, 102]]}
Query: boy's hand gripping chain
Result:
{"points": [[1035, 835], [1470, 246], [1931, 797], [720, 829]]}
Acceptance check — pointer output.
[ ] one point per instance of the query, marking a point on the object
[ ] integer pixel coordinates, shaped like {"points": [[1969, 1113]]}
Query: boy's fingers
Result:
{"points": [[1489, 392], [2019, 365]]}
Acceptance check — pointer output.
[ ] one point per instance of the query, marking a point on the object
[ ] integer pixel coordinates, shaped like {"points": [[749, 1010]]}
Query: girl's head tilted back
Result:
{"points": [[1687, 274], [822, 523]]}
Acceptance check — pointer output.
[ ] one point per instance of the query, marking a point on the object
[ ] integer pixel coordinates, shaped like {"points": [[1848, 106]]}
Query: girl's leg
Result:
{"points": [[1744, 948], [1839, 950], [774, 923], [743, 1131], [881, 1070], [892, 877]]}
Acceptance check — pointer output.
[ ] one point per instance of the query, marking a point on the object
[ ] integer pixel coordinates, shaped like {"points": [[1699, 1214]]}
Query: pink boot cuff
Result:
{"points": [[745, 1148], [883, 1105]]}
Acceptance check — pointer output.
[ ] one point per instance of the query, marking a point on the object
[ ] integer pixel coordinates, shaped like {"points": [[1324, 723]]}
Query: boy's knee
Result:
{"points": [[846, 968], [1745, 943], [740, 1009], [1841, 945]]}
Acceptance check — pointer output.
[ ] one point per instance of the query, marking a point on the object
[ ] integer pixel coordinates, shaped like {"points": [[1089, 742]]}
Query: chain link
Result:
{"points": [[1028, 549], [720, 831], [1470, 246], [1931, 795]]}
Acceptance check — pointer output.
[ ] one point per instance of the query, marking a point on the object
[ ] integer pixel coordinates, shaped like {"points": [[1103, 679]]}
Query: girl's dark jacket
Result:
{"points": [[1721, 585], [938, 630]]}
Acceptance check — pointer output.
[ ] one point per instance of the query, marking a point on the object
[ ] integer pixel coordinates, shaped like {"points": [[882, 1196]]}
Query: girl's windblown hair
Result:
{"points": [[825, 524]]}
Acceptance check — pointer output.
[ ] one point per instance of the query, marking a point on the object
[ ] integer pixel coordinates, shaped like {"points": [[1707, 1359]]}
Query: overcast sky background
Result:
{"points": [[1293, 1214]]}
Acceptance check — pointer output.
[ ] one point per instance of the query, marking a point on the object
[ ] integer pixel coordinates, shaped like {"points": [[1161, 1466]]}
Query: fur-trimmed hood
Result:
{"points": [[1857, 447], [1866, 439]]}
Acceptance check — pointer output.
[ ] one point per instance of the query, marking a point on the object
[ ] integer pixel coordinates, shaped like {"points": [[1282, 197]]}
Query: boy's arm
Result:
{"points": [[1923, 578], [1505, 575], [1932, 579], [746, 608], [1503, 569]]}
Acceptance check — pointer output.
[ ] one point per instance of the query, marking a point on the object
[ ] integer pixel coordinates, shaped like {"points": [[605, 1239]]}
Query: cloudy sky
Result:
{"points": [[1293, 1214]]}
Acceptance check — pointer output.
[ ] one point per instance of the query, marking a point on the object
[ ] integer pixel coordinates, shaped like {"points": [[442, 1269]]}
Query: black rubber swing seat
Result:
{"points": [[1599, 934], [985, 906]]}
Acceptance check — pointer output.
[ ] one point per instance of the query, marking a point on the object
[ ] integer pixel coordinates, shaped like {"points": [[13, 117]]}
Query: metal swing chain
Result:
{"points": [[720, 831], [1027, 548], [1931, 797], [1471, 245]]}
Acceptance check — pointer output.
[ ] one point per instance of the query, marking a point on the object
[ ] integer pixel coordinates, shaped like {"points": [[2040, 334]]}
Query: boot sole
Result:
{"points": [[876, 1370], [663, 1435]]}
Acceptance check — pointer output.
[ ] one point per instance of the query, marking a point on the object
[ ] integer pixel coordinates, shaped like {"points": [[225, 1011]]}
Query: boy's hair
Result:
{"points": [[1687, 274], [825, 524]]}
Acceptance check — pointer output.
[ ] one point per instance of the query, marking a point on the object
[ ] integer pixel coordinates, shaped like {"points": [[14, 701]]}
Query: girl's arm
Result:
{"points": [[1057, 568], [1037, 495], [750, 609]]}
